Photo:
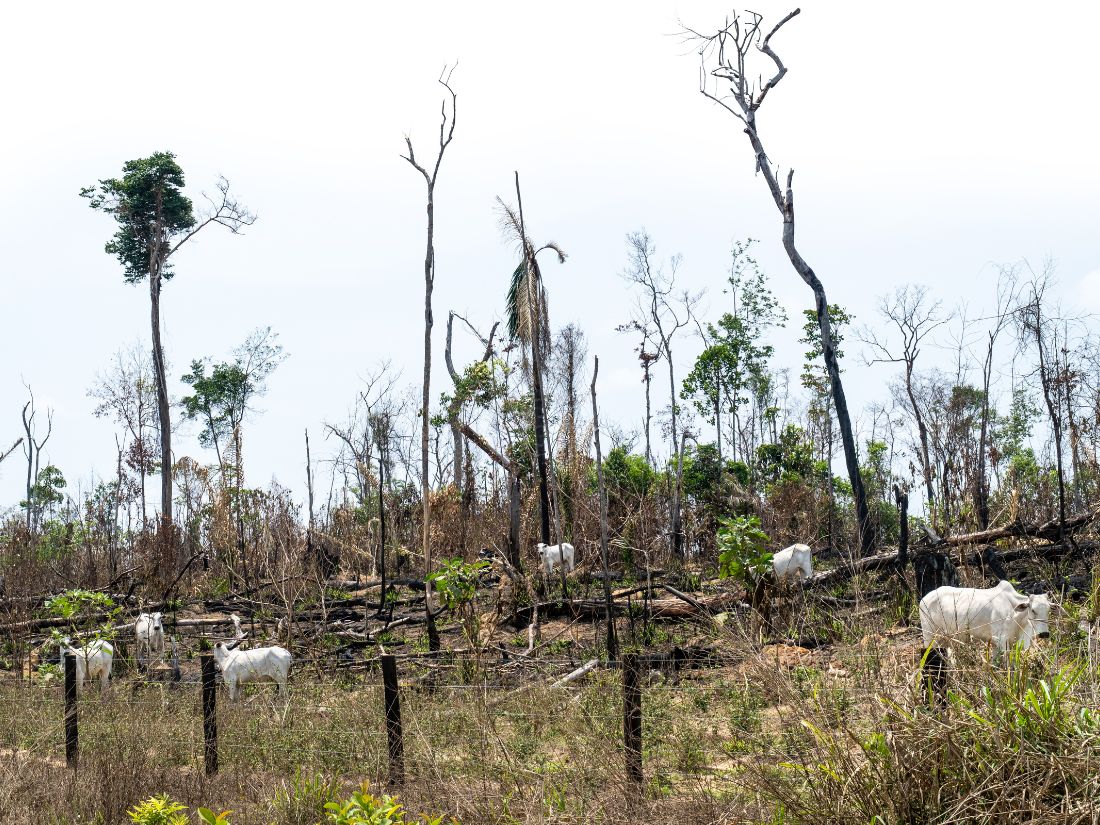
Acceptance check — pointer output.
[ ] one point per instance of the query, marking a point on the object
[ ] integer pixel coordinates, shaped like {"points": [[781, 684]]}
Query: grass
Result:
{"points": [[845, 737]]}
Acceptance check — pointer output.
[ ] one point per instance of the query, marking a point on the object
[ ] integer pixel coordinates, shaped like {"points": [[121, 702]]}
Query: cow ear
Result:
{"points": [[1023, 606]]}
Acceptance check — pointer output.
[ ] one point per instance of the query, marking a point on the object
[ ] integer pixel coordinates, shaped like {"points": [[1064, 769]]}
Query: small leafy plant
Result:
{"points": [[158, 810], [742, 549], [363, 808]]}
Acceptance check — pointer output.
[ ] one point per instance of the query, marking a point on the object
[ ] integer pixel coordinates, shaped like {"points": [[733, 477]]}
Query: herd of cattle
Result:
{"points": [[998, 615], [272, 663]]}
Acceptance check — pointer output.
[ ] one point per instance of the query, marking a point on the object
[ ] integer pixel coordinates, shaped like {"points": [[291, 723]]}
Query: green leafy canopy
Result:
{"points": [[150, 210]]}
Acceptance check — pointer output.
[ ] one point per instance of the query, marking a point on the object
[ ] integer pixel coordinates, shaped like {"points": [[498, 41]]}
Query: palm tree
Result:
{"points": [[528, 323]]}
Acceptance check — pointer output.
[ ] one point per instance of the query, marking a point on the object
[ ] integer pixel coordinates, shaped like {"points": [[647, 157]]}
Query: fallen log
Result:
{"points": [[584, 669], [846, 571], [1050, 531]]}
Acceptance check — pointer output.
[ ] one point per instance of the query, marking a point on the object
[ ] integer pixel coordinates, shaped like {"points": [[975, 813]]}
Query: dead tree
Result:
{"points": [[33, 452], [661, 313], [725, 57], [914, 320], [1036, 328], [1006, 299], [446, 135]]}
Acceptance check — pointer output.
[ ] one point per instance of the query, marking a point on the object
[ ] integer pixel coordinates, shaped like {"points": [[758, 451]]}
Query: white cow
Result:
{"points": [[150, 634], [555, 554], [258, 665], [999, 615], [793, 563], [93, 661]]}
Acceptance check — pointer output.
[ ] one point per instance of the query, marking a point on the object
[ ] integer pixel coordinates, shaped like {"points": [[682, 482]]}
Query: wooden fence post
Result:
{"points": [[209, 714], [393, 719], [632, 718], [72, 747]]}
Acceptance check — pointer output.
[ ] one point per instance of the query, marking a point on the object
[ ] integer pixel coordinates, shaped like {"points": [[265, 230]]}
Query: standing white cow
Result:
{"points": [[999, 615], [93, 661], [555, 554], [149, 630], [794, 563], [261, 664]]}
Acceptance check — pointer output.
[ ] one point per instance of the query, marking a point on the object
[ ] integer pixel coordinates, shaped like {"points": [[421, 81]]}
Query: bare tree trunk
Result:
{"points": [[612, 640], [677, 537], [30, 461], [309, 492], [381, 530], [168, 561], [981, 491], [922, 431], [648, 411], [445, 137], [718, 417]]}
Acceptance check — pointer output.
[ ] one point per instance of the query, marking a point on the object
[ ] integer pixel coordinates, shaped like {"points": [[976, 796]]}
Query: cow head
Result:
{"points": [[1036, 610], [541, 549], [157, 621]]}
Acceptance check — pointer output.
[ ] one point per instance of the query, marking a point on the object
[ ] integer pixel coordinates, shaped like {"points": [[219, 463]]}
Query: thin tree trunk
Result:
{"points": [[30, 462], [922, 430], [381, 531], [425, 407], [164, 415], [648, 413], [612, 640], [514, 507], [309, 491], [718, 417], [784, 201], [677, 538], [981, 490]]}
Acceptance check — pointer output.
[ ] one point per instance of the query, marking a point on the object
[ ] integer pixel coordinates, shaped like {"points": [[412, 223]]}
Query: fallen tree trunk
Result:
{"points": [[864, 565], [1049, 530]]}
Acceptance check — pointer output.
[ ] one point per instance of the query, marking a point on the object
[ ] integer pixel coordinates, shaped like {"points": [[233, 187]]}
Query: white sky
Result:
{"points": [[931, 142]]}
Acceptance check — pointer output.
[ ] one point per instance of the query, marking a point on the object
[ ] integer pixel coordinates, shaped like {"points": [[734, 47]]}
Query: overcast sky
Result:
{"points": [[932, 142]]}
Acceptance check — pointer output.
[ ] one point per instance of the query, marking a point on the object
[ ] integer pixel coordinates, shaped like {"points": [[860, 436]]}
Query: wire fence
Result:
{"points": [[613, 728]]}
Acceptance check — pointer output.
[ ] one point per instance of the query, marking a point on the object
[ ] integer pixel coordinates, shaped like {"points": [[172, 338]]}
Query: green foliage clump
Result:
{"points": [[150, 210], [742, 549], [158, 810], [363, 808], [789, 459], [456, 581], [161, 810], [625, 474]]}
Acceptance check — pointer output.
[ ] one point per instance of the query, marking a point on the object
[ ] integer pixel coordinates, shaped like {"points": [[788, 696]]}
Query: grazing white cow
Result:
{"points": [[555, 554], [93, 661], [150, 634], [258, 665], [793, 563], [999, 615]]}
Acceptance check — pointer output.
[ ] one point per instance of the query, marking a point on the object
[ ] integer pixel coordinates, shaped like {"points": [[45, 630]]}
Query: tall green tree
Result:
{"points": [[154, 220], [735, 360]]}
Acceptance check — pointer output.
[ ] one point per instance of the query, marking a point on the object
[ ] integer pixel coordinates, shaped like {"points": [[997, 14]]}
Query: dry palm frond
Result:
{"points": [[526, 298]]}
